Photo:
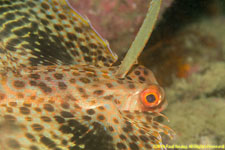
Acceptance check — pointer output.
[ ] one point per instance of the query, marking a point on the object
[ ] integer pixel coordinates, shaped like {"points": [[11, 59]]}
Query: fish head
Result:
{"points": [[127, 108], [138, 91], [148, 95]]}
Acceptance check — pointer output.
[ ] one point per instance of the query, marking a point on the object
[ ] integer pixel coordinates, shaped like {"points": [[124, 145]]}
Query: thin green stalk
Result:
{"points": [[141, 38]]}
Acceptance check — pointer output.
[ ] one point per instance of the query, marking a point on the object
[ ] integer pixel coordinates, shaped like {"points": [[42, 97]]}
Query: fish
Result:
{"points": [[59, 89]]}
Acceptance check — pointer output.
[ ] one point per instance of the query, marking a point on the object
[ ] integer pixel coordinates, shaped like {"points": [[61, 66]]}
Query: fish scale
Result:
{"points": [[58, 91]]}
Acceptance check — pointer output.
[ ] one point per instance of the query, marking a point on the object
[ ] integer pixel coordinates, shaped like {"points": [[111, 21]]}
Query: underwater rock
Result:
{"points": [[187, 51]]}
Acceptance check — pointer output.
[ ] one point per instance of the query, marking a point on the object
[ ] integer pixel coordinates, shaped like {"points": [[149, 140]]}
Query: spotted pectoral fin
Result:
{"points": [[104, 116], [46, 33], [127, 130], [141, 129]]}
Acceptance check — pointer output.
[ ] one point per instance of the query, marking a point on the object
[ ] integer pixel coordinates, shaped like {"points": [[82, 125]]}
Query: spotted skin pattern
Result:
{"points": [[75, 107], [45, 32], [52, 99]]}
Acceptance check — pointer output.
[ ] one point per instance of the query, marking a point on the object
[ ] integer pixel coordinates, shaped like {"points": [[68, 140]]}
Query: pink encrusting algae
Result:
{"points": [[58, 88]]}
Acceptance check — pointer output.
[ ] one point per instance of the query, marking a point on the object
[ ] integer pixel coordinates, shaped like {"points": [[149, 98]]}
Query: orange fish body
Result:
{"points": [[59, 91], [78, 104]]}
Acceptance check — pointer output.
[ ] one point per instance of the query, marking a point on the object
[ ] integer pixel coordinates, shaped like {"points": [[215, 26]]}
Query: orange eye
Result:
{"points": [[151, 97]]}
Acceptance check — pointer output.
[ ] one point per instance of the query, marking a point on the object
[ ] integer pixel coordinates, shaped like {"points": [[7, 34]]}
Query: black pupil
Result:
{"points": [[150, 98]]}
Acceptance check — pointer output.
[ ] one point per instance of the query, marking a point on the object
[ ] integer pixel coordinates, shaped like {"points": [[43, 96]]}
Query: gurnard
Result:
{"points": [[59, 90]]}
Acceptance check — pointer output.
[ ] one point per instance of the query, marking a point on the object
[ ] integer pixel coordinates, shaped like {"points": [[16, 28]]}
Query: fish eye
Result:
{"points": [[151, 96]]}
